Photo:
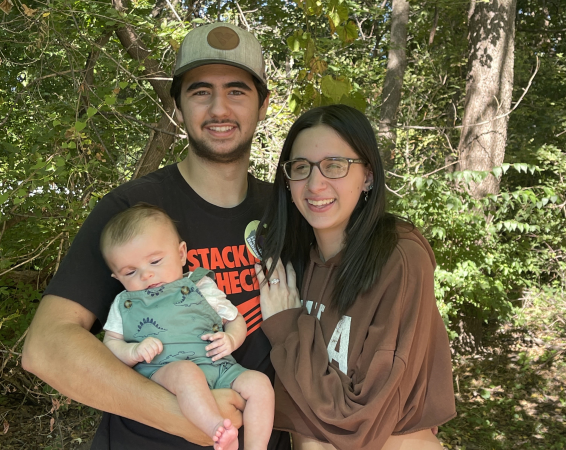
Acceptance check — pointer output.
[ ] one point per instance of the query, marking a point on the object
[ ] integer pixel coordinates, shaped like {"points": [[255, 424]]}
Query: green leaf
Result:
{"points": [[520, 167], [309, 51], [333, 19], [110, 99], [123, 84], [335, 88], [294, 104], [347, 33], [79, 126], [314, 7], [293, 43], [3, 197], [356, 100], [91, 111], [418, 183]]}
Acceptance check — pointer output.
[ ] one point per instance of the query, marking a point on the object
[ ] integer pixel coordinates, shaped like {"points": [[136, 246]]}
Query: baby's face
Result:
{"points": [[150, 259]]}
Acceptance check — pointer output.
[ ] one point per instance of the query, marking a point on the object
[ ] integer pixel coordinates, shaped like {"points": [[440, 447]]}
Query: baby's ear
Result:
{"points": [[183, 252], [113, 276]]}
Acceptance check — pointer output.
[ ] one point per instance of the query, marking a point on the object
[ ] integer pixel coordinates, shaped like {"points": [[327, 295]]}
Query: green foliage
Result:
{"points": [[327, 56], [18, 302], [69, 135], [489, 251]]}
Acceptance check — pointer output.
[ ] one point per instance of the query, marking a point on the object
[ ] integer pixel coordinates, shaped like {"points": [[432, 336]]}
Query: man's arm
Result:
{"points": [[60, 350]]}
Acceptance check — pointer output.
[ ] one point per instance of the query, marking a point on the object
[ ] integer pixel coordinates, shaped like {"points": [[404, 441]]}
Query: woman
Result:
{"points": [[363, 362]]}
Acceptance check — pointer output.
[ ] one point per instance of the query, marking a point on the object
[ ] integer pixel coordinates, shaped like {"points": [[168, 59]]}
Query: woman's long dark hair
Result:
{"points": [[371, 232]]}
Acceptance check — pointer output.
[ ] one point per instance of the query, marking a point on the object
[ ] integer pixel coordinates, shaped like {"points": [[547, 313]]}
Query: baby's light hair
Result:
{"points": [[128, 224]]}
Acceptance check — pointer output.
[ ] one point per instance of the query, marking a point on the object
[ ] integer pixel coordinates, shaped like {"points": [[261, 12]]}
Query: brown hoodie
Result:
{"points": [[383, 368]]}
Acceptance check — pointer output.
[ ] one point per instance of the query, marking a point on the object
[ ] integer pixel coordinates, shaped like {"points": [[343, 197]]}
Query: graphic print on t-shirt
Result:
{"points": [[233, 266], [252, 314]]}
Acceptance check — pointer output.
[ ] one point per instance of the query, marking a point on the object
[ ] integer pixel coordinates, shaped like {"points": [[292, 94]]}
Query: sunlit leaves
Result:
{"points": [[335, 88], [347, 33]]}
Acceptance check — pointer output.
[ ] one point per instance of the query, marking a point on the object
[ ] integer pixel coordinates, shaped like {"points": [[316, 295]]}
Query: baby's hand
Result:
{"points": [[222, 345], [147, 349]]}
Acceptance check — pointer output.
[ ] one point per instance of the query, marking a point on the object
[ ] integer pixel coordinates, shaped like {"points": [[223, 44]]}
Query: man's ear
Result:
{"points": [[179, 115], [183, 252], [263, 108]]}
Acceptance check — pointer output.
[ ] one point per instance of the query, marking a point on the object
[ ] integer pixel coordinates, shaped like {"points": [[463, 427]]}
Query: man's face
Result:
{"points": [[219, 107]]}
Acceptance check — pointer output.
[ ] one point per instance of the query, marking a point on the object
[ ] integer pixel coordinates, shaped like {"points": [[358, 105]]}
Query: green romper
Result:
{"points": [[178, 315]]}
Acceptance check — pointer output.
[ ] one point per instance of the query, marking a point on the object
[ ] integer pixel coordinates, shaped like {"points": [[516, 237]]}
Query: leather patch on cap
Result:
{"points": [[223, 38]]}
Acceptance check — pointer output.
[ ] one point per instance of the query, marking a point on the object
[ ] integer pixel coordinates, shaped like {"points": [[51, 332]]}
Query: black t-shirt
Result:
{"points": [[215, 240]]}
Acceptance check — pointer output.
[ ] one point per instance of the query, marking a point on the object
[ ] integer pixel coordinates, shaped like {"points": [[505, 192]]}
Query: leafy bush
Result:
{"points": [[490, 250]]}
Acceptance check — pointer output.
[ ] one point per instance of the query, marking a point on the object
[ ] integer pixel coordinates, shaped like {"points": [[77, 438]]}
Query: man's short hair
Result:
{"points": [[128, 224]]}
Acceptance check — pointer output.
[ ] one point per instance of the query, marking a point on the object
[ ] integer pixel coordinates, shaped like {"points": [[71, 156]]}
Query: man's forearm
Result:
{"points": [[61, 351]]}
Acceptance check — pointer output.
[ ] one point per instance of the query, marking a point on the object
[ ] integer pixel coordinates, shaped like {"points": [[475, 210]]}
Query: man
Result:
{"points": [[220, 94]]}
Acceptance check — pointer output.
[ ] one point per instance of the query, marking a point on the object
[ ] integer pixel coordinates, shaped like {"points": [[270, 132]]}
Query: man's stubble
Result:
{"points": [[201, 149]]}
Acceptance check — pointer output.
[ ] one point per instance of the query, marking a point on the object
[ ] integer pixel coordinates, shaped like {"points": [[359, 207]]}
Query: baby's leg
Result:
{"points": [[188, 383], [256, 390]]}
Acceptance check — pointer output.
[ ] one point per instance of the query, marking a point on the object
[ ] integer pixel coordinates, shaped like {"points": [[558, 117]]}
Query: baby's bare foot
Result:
{"points": [[226, 436]]}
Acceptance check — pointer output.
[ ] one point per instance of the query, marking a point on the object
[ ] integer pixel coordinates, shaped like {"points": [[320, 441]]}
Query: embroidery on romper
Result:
{"points": [[148, 327], [154, 292], [185, 292]]}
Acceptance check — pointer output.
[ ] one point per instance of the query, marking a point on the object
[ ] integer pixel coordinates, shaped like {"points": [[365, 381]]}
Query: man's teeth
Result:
{"points": [[220, 129], [320, 202]]}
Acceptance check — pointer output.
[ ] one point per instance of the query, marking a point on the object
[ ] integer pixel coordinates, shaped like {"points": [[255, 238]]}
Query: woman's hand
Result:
{"points": [[280, 293]]}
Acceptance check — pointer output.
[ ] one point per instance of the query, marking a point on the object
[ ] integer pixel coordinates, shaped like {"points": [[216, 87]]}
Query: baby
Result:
{"points": [[170, 328]]}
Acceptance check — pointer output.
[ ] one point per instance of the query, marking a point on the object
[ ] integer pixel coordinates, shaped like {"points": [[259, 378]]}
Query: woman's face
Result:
{"points": [[327, 204]]}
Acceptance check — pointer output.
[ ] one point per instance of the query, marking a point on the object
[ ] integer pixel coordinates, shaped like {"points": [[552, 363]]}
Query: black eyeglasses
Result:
{"points": [[336, 167]]}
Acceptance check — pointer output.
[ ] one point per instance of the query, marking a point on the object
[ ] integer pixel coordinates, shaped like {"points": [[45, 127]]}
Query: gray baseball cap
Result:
{"points": [[221, 43]]}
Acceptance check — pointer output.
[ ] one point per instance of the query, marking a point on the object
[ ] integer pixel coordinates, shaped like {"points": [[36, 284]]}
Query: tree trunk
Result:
{"points": [[491, 44], [160, 140], [393, 83]]}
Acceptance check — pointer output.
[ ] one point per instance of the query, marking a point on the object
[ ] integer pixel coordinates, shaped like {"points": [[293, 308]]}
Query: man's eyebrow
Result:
{"points": [[231, 84], [199, 85], [238, 84]]}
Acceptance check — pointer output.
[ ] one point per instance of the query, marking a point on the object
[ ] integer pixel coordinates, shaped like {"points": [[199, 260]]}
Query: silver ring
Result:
{"points": [[274, 281]]}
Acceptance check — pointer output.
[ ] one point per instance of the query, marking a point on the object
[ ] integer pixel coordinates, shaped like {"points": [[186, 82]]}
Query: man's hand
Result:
{"points": [[146, 350], [223, 344]]}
